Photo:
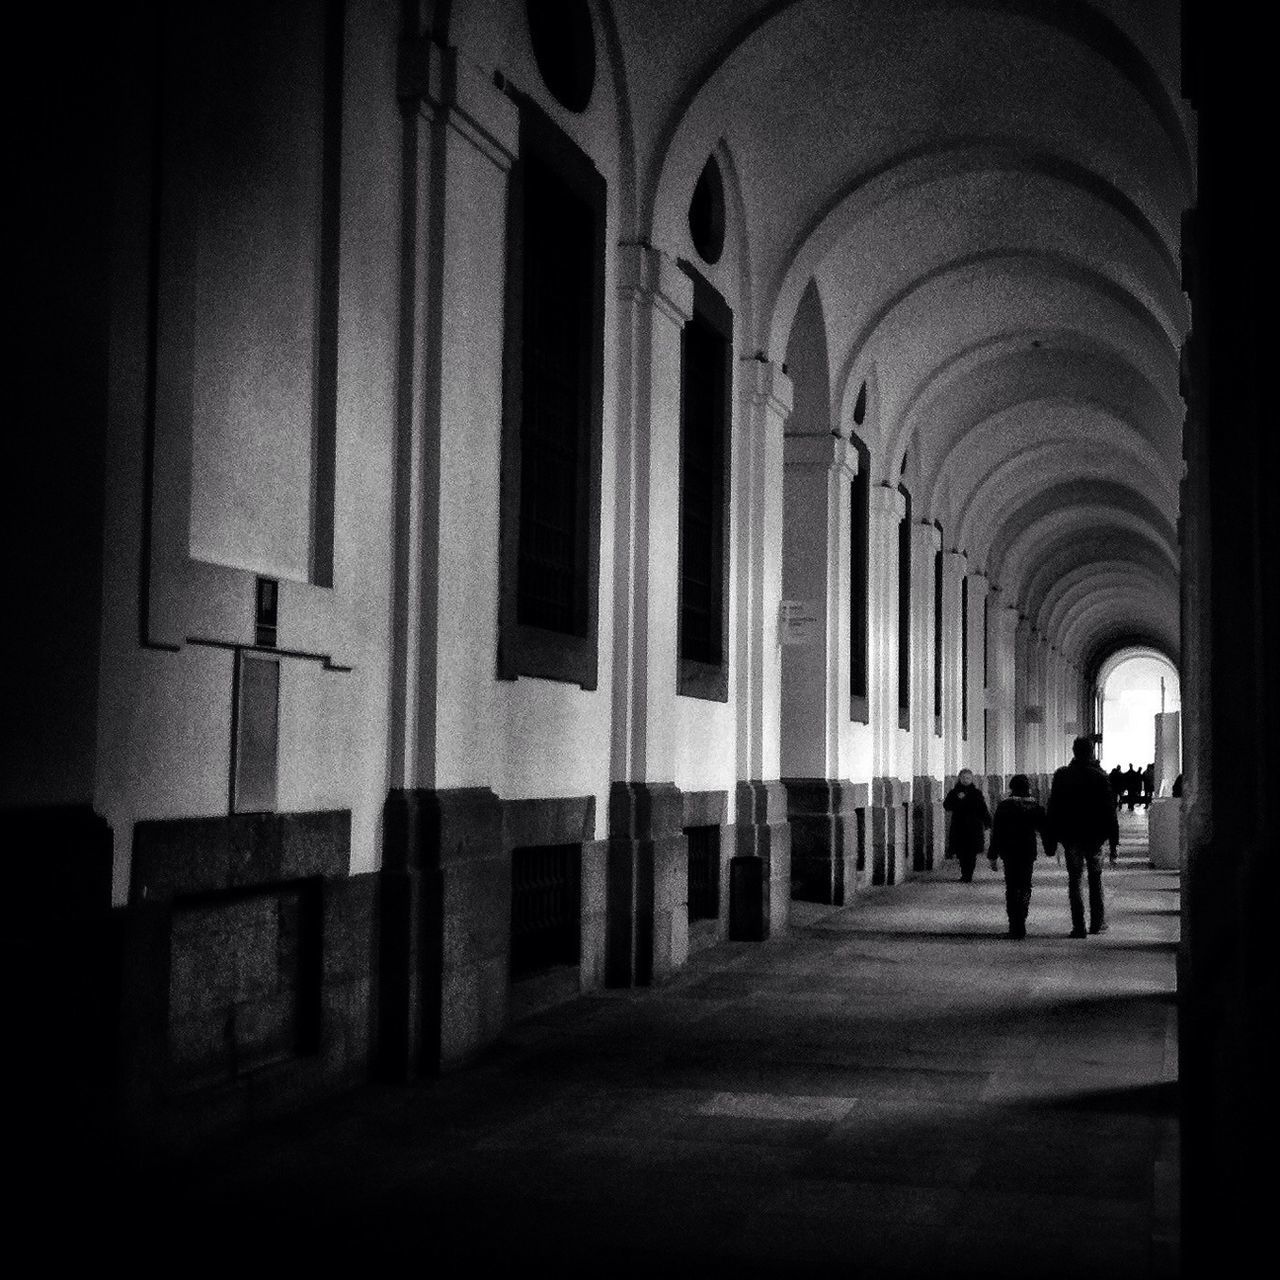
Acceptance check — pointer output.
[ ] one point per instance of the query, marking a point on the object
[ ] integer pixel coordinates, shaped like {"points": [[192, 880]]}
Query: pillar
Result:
{"points": [[446, 880], [646, 933], [885, 819], [815, 680], [954, 566], [975, 748], [927, 829], [760, 894]]}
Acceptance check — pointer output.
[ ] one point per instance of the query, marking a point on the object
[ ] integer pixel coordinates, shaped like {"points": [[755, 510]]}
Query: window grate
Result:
{"points": [[546, 889], [704, 872]]}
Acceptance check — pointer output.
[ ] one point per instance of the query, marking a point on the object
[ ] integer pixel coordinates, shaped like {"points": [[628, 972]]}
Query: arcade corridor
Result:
{"points": [[532, 505], [893, 1089]]}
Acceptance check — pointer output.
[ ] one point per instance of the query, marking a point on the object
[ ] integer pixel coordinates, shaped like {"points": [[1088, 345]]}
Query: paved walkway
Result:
{"points": [[894, 1089]]}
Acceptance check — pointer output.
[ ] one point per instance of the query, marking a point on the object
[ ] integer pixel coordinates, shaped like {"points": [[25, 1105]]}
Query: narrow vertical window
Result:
{"points": [[904, 613], [859, 543], [553, 380], [705, 377]]}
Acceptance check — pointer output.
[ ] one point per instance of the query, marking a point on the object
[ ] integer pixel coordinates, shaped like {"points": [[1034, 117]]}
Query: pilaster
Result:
{"points": [[460, 143], [656, 302], [759, 567], [954, 566], [928, 837], [976, 746]]}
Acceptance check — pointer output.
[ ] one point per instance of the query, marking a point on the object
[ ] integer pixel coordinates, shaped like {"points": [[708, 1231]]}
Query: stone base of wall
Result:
{"points": [[823, 814], [445, 987], [760, 873], [889, 831], [245, 972]]}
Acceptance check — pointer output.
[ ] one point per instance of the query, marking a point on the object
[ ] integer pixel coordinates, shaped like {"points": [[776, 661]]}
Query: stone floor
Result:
{"points": [[894, 1089]]}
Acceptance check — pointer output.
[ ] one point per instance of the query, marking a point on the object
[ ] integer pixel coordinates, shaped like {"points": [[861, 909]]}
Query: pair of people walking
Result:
{"points": [[1081, 816]]}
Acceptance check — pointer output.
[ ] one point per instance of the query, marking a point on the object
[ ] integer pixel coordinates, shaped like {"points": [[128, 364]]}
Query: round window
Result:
{"points": [[564, 48]]}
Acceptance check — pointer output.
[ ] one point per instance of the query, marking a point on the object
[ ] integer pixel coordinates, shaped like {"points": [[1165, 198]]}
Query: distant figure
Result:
{"points": [[1116, 778], [1080, 817], [1018, 823], [1132, 784], [970, 819], [1148, 785], [1177, 787]]}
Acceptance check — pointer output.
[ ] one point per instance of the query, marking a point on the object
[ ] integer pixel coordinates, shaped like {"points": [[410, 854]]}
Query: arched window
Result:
{"points": [[706, 213], [564, 48]]}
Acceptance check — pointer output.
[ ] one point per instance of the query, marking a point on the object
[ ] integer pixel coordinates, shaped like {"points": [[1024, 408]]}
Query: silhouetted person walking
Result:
{"points": [[1081, 816], [1132, 785], [970, 818], [1116, 779], [1148, 784], [1018, 823]]}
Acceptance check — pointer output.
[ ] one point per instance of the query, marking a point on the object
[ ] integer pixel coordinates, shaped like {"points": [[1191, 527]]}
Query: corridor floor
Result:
{"points": [[893, 1089]]}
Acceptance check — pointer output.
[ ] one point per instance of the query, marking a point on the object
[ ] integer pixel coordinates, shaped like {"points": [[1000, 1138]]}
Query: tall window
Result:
{"points": [[859, 545], [553, 405], [937, 641], [904, 613], [705, 394], [964, 658]]}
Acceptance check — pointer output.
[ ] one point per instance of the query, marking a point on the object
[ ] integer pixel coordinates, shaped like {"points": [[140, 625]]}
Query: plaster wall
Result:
{"points": [[164, 739]]}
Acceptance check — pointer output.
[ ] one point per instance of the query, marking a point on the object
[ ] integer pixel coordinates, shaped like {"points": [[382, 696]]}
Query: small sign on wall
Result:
{"points": [[799, 622]]}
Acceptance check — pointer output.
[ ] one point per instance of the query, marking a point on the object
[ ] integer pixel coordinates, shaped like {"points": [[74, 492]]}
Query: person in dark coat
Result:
{"points": [[1148, 784], [1081, 817], [1116, 778], [1132, 786], [1018, 824], [970, 819]]}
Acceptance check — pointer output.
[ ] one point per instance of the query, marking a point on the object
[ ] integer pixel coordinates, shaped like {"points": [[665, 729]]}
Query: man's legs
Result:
{"points": [[1075, 870], [1097, 915], [968, 860], [1017, 896]]}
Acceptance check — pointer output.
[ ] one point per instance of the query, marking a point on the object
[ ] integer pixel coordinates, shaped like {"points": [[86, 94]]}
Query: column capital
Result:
{"points": [[648, 275], [767, 385], [888, 500], [925, 535], [955, 562], [449, 89], [828, 452]]}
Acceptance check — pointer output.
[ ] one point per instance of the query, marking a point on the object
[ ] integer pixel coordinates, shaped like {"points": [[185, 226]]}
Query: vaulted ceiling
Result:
{"points": [[982, 200]]}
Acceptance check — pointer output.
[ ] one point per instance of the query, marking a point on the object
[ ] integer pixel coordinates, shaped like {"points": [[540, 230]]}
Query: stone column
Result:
{"points": [[815, 680], [928, 833], [885, 819], [1021, 663], [975, 747], [1000, 750], [760, 894], [446, 878], [647, 931], [954, 567]]}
